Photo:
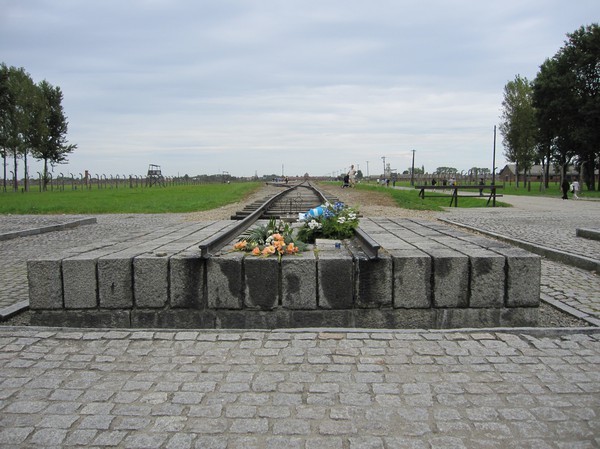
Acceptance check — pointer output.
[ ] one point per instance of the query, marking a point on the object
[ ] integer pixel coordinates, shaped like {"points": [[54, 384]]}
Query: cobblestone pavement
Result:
{"points": [[185, 389]]}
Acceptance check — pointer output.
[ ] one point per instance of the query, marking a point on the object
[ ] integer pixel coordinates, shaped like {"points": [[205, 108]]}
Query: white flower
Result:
{"points": [[313, 224], [341, 220], [351, 216]]}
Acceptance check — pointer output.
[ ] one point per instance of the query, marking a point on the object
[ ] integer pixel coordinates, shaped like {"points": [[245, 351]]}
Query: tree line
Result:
{"points": [[554, 120], [32, 123]]}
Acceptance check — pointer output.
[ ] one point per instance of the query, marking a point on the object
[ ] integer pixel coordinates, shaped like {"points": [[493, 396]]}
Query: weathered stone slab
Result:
{"points": [[523, 278], [115, 283], [261, 282], [45, 283], [450, 278], [224, 284], [80, 283], [298, 281], [187, 280], [151, 280], [412, 279], [335, 276], [374, 280]]}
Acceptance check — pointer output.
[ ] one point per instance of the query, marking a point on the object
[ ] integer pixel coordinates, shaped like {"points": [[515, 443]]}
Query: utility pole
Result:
{"points": [[367, 170], [494, 171], [383, 157], [412, 170]]}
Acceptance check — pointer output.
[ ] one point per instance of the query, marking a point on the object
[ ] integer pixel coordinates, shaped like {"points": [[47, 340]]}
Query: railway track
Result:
{"points": [[286, 204], [292, 201]]}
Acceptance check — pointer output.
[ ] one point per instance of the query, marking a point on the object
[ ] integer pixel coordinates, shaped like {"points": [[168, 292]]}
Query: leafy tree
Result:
{"points": [[553, 116], [518, 126], [31, 120], [567, 100], [581, 55], [446, 170], [50, 143], [15, 114]]}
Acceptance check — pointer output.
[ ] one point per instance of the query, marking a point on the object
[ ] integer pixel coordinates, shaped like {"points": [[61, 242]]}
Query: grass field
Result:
{"points": [[175, 199], [553, 189], [139, 201], [409, 199]]}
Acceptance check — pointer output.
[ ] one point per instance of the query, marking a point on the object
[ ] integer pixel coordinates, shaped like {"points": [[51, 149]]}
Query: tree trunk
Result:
{"points": [[45, 175], [589, 176], [26, 175], [15, 175], [4, 165]]}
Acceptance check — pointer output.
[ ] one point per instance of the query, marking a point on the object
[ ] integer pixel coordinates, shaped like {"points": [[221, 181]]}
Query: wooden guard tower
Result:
{"points": [[154, 176]]}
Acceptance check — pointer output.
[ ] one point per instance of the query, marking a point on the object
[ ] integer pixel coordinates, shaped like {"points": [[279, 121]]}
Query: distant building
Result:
{"points": [[509, 174]]}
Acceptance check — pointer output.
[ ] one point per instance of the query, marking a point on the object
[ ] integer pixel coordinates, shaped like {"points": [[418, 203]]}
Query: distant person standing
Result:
{"points": [[352, 175], [575, 189], [565, 188], [481, 184]]}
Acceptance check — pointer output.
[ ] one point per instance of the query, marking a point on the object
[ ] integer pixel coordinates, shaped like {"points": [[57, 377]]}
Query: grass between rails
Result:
{"points": [[175, 199]]}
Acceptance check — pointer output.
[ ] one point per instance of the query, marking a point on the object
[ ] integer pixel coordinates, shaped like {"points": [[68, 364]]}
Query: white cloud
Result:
{"points": [[242, 86]]}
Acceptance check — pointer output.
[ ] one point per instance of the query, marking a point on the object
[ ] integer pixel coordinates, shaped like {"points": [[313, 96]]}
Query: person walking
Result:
{"points": [[352, 175], [575, 189], [565, 188]]}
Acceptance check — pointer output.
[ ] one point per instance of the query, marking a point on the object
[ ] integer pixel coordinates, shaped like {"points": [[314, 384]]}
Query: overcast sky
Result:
{"points": [[266, 86]]}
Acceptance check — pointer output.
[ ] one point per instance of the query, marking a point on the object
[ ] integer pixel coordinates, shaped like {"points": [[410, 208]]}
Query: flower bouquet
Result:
{"points": [[275, 238], [329, 221]]}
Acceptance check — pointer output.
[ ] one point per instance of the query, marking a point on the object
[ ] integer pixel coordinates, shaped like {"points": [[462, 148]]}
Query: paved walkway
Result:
{"points": [[498, 388]]}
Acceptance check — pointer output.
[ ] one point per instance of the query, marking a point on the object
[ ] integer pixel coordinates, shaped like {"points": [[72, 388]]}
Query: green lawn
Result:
{"points": [[527, 190], [138, 200], [409, 199]]}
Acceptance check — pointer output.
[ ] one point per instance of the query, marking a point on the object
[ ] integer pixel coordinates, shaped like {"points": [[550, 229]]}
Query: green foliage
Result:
{"points": [[566, 95], [116, 201], [336, 222], [518, 126], [31, 119], [446, 171]]}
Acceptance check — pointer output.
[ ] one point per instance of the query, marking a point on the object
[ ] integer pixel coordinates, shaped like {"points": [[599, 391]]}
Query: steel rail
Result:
{"points": [[369, 246], [216, 242]]}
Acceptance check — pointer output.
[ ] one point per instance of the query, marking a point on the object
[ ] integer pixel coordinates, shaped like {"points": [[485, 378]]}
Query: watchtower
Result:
{"points": [[154, 176]]}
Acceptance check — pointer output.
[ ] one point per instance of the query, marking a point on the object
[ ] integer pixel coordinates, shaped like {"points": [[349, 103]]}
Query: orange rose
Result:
{"points": [[256, 251], [240, 245]]}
